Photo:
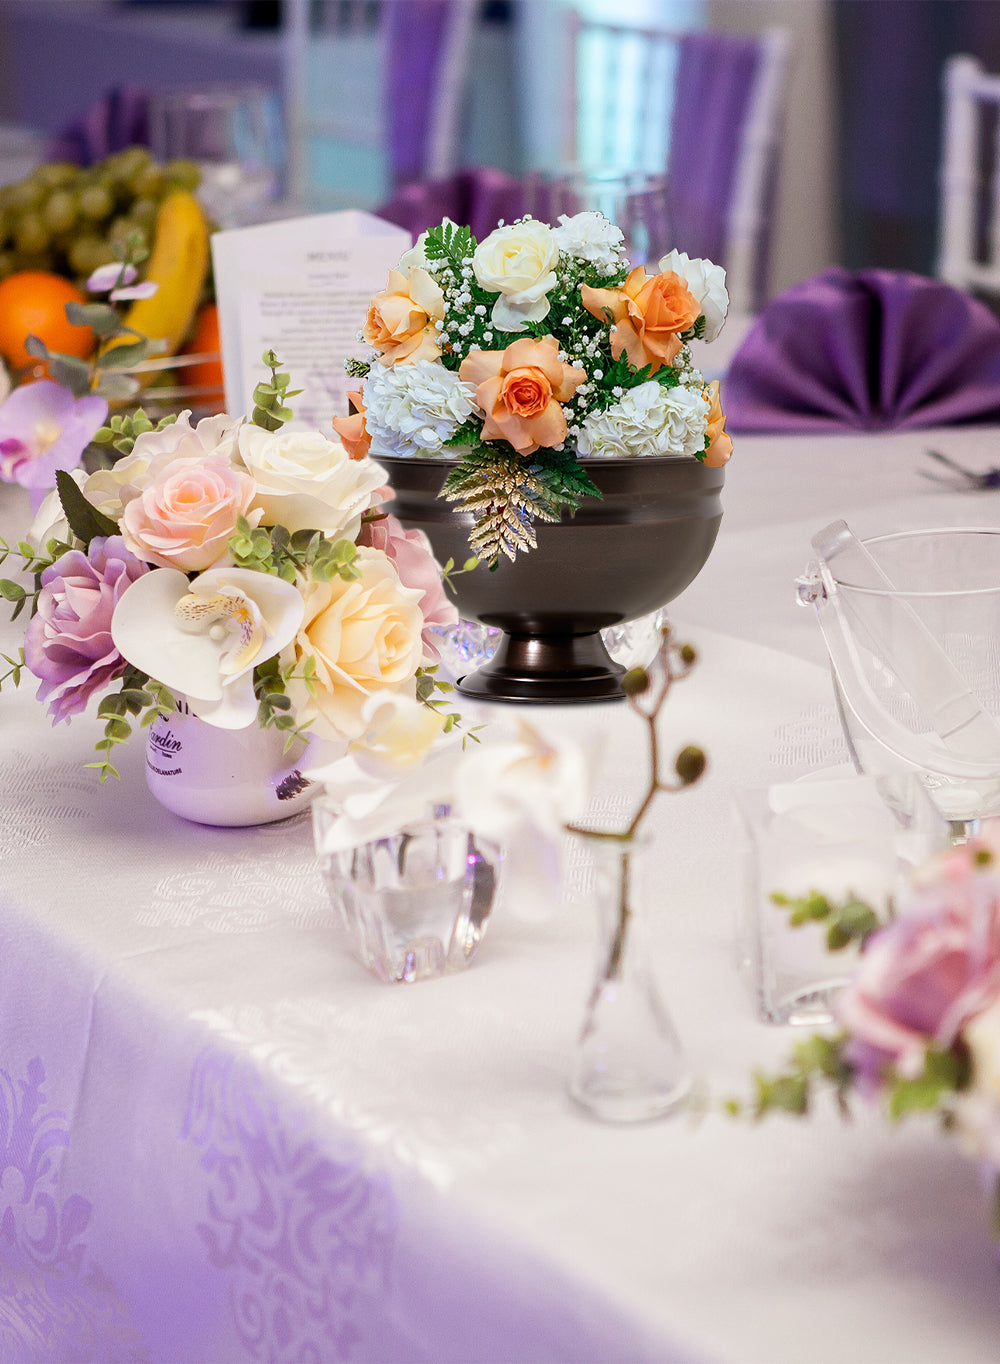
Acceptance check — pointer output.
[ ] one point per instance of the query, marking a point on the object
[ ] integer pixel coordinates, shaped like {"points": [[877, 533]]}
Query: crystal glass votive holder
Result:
{"points": [[836, 837], [416, 904]]}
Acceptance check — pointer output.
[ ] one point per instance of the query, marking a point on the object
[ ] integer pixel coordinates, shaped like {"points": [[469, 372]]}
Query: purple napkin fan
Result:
{"points": [[869, 350]]}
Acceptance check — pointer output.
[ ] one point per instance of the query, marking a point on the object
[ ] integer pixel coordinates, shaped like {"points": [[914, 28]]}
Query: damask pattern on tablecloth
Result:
{"points": [[810, 741], [37, 798], [55, 1303], [455, 1127], [267, 878], [304, 1238]]}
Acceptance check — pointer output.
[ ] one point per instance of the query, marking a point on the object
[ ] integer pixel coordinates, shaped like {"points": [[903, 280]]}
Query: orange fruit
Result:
{"points": [[206, 374], [34, 301]]}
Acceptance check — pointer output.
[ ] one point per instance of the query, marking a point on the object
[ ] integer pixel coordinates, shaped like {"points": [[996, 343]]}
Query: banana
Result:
{"points": [[178, 263]]}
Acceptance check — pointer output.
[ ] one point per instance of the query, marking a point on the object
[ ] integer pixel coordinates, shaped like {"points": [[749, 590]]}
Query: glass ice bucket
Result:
{"points": [[911, 622]]}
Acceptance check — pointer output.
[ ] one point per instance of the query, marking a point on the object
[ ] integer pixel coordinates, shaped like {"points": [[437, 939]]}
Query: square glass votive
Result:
{"points": [[415, 904], [834, 836]]}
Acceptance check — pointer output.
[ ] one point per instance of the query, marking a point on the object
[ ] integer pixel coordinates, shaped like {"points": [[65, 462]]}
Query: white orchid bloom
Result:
{"points": [[203, 638]]}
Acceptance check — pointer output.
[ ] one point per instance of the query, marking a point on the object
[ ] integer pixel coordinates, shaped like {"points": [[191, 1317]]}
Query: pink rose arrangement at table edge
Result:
{"points": [[524, 355], [243, 568], [918, 1023]]}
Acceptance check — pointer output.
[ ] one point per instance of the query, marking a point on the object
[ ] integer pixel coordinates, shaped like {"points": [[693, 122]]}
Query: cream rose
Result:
{"points": [[364, 636], [307, 482], [518, 262], [185, 517]]}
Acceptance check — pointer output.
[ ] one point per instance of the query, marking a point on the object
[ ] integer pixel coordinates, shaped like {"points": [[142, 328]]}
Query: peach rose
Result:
{"points": [[365, 638], [353, 432], [400, 320], [647, 316], [720, 445], [186, 515], [520, 389]]}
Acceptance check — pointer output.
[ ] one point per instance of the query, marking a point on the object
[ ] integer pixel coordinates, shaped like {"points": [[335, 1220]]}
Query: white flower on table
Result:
{"points": [[708, 284], [518, 262], [307, 482], [202, 638], [650, 419], [415, 409]]}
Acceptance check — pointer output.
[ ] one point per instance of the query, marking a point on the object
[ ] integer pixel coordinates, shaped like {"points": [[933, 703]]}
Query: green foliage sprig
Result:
{"points": [[433, 691], [270, 397], [120, 348], [122, 429], [288, 555], [139, 695]]}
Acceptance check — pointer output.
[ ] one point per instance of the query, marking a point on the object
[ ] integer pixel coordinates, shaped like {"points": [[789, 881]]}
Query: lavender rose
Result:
{"points": [[922, 977], [68, 644]]}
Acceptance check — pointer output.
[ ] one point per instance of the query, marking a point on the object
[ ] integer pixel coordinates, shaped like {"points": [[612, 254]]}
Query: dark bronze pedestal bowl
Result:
{"points": [[622, 555]]}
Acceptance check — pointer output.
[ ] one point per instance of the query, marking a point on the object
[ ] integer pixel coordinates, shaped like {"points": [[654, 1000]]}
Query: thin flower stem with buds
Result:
{"points": [[672, 664]]}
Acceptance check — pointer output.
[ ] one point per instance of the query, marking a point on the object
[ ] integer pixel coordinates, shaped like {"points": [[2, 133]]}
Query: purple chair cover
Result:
{"points": [[479, 198], [872, 350], [119, 119], [715, 72], [414, 32]]}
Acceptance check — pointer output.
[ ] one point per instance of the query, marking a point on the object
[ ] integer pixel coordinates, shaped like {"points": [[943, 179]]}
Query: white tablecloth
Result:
{"points": [[221, 1140]]}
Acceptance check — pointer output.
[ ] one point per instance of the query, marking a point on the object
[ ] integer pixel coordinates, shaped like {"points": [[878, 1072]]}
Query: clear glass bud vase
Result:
{"points": [[629, 1065]]}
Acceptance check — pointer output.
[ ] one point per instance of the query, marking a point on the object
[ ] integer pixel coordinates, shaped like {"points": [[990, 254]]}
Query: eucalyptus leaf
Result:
{"points": [[100, 317], [72, 373], [117, 385], [35, 346], [125, 355]]}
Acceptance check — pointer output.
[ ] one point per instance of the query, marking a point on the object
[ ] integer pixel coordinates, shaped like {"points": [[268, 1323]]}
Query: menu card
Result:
{"points": [[300, 287]]}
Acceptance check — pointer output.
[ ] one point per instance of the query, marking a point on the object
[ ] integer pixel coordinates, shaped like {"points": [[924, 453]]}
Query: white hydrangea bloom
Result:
{"points": [[415, 409], [650, 420], [591, 237]]}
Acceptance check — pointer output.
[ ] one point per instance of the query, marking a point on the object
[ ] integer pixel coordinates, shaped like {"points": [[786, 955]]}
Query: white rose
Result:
{"points": [[110, 490], [651, 419], [415, 409], [50, 520], [708, 284], [415, 257], [591, 237], [518, 262], [307, 482]]}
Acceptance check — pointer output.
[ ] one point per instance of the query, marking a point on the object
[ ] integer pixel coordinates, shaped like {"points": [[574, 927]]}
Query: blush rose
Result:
{"points": [[186, 516]]}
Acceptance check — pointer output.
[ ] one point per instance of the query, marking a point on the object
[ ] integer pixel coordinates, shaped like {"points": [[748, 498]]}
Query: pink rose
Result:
{"points": [[922, 977], [411, 554], [186, 515]]}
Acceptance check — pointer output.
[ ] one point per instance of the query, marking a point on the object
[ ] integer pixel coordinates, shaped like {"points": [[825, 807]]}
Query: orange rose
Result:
{"points": [[353, 433], [521, 390], [647, 315], [400, 321], [720, 445]]}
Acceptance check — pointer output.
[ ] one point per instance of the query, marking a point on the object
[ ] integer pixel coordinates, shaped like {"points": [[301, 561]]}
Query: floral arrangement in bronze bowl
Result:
{"points": [[534, 398]]}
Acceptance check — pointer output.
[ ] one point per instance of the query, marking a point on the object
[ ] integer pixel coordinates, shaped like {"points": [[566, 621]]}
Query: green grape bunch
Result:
{"points": [[69, 219]]}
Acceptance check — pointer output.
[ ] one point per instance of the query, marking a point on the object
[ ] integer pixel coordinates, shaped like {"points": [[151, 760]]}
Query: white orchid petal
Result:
{"points": [[232, 619], [236, 708], [147, 631]]}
